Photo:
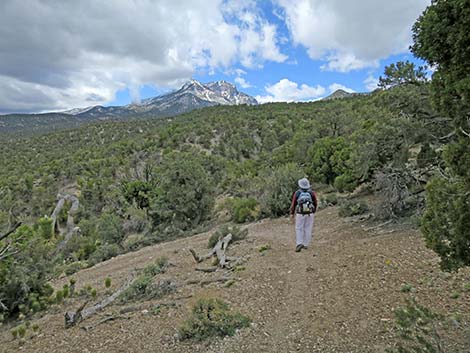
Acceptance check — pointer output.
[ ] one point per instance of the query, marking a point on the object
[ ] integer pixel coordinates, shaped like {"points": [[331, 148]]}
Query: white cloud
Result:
{"points": [[371, 83], [336, 86], [242, 82], [256, 44], [77, 53], [351, 35], [288, 91]]}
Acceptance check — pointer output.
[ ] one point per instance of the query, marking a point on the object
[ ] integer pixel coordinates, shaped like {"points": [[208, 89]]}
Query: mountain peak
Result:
{"points": [[339, 93], [190, 83], [192, 95]]}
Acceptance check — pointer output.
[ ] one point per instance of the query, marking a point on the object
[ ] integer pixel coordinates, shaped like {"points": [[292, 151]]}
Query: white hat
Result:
{"points": [[304, 183]]}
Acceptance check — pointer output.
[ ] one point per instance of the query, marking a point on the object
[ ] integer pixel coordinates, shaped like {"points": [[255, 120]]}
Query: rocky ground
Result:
{"points": [[336, 296]]}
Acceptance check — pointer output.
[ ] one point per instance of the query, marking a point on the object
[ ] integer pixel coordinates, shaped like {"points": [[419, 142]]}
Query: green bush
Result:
{"points": [[45, 227], [264, 248], [107, 282], [156, 268], [66, 291], [21, 331], [104, 252], [352, 208], [144, 287], [59, 297], [244, 210], [110, 229], [280, 184], [185, 194], [23, 276], [406, 287], [74, 267], [212, 317], [327, 200], [345, 182], [329, 156], [415, 327], [446, 222]]}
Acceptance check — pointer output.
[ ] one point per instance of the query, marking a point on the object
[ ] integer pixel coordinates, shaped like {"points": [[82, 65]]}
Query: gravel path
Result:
{"points": [[336, 296]]}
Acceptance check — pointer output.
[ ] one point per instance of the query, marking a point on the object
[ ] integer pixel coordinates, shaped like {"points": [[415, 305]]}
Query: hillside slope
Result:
{"points": [[337, 296]]}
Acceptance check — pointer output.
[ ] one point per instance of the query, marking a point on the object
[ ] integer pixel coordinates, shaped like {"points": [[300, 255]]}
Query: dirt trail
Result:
{"points": [[336, 296]]}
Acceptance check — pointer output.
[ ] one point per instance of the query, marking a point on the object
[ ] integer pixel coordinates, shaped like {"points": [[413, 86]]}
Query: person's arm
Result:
{"points": [[292, 206], [315, 201]]}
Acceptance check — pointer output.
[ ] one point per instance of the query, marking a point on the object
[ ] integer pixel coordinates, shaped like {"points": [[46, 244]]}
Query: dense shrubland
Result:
{"points": [[147, 181], [154, 180]]}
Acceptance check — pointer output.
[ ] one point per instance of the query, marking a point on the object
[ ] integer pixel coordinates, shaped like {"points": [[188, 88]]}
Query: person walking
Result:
{"points": [[302, 210]]}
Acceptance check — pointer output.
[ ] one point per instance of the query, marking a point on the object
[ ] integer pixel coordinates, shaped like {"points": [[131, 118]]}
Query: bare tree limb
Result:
{"points": [[12, 230], [60, 204], [3, 307], [464, 132], [72, 318], [210, 269], [71, 229], [219, 251], [102, 321], [378, 226], [4, 256], [208, 281]]}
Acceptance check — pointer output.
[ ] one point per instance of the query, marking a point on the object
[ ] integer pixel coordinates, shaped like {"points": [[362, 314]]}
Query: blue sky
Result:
{"points": [[121, 51]]}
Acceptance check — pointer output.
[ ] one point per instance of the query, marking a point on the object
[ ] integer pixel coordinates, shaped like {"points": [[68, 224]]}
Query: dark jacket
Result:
{"points": [[294, 201]]}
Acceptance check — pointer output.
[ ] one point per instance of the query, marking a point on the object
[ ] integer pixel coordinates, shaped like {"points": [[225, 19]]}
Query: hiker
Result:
{"points": [[304, 205]]}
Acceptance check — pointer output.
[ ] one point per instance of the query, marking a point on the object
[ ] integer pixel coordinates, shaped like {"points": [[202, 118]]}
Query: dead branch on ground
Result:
{"points": [[74, 317], [218, 250]]}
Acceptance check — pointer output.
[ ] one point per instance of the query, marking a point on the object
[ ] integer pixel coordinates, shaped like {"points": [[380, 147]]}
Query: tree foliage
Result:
{"points": [[441, 37], [400, 73]]}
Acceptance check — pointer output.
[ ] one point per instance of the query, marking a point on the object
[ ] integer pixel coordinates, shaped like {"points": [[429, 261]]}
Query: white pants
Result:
{"points": [[303, 228]]}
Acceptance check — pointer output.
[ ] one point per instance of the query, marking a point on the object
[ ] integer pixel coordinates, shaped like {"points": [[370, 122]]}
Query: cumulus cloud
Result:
{"points": [[351, 35], [242, 82], [288, 91], [61, 54], [371, 83]]}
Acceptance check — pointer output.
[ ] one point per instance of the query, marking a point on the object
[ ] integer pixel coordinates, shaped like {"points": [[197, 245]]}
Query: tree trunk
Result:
{"points": [[74, 317], [70, 229]]}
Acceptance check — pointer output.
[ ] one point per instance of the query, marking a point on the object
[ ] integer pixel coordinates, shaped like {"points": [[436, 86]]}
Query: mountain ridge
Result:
{"points": [[192, 95]]}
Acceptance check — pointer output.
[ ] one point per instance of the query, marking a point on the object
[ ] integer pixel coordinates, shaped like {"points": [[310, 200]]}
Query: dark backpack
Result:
{"points": [[305, 203]]}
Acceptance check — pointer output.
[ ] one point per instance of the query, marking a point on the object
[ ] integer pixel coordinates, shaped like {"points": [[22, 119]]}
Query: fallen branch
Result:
{"points": [[219, 251], [196, 257], [102, 321], [12, 230], [72, 318], [378, 226], [129, 309], [208, 270], [203, 282]]}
